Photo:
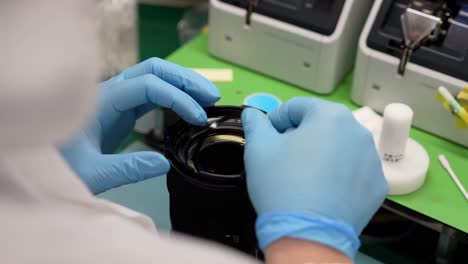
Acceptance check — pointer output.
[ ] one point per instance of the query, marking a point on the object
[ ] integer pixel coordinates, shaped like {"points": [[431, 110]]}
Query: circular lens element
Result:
{"points": [[221, 154], [211, 154]]}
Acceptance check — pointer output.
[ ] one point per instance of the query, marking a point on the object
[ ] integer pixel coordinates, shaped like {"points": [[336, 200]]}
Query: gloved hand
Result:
{"points": [[123, 99], [313, 173]]}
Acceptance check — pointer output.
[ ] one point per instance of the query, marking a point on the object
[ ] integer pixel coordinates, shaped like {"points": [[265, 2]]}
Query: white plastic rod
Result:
{"points": [[395, 132], [452, 174]]}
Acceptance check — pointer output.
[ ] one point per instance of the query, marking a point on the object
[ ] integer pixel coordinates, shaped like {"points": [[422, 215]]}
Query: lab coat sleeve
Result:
{"points": [[198, 251], [134, 244], [119, 241], [48, 216], [175, 248], [130, 237], [84, 234]]}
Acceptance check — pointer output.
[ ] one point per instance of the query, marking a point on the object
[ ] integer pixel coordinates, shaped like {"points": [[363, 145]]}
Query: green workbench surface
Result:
{"points": [[439, 198]]}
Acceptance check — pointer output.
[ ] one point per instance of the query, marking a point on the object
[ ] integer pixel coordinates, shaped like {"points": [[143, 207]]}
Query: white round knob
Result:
{"points": [[396, 126]]}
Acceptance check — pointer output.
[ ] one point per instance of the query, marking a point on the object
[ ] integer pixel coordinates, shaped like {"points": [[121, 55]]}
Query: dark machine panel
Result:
{"points": [[320, 16], [447, 54]]}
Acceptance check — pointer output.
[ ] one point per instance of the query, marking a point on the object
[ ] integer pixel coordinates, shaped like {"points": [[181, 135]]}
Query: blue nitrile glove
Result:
{"points": [[123, 99], [313, 173]]}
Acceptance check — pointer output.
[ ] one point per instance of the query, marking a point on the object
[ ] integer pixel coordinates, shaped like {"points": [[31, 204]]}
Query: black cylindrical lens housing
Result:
{"points": [[207, 188]]}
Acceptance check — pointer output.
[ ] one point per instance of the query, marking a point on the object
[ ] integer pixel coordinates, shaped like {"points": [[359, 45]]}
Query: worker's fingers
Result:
{"points": [[256, 124], [146, 91], [192, 83], [292, 113], [121, 169]]}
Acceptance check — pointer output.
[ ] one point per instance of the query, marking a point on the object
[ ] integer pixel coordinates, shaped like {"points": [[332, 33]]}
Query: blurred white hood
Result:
{"points": [[48, 70]]}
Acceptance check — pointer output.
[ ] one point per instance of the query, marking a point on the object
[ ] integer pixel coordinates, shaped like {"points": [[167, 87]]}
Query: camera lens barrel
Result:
{"points": [[207, 188]]}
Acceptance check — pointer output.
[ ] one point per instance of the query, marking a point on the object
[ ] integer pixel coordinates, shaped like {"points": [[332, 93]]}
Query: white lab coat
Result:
{"points": [[48, 69], [48, 216]]}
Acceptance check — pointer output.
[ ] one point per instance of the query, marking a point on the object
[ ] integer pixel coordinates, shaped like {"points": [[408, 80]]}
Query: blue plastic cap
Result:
{"points": [[263, 101]]}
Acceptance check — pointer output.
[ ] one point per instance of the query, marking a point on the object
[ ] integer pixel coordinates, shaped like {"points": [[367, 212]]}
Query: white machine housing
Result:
{"points": [[284, 51], [377, 84]]}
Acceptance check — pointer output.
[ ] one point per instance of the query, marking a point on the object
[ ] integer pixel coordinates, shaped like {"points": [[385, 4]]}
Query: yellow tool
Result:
{"points": [[459, 106], [462, 97]]}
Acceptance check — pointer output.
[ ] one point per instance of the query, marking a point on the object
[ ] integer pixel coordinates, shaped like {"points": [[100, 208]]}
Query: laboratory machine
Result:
{"points": [[308, 43], [408, 50]]}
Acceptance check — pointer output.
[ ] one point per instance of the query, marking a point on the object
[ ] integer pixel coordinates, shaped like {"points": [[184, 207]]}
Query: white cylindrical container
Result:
{"points": [[395, 132]]}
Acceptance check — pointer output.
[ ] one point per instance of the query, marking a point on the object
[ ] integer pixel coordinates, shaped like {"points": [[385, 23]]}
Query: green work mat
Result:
{"points": [[439, 198]]}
